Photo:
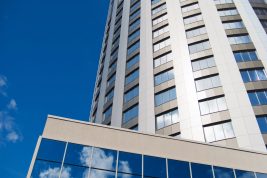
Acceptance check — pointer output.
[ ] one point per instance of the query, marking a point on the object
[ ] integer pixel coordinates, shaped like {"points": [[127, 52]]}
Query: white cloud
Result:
{"points": [[3, 81], [54, 172], [9, 131], [13, 137], [12, 105], [85, 155]]}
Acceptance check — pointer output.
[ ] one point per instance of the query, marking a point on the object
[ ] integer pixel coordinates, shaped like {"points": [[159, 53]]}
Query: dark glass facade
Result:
{"points": [[67, 160]]}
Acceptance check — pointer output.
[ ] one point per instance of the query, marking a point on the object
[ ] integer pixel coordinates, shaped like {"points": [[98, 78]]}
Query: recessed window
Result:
{"points": [[258, 98], [192, 19], [107, 113], [219, 132], [159, 19], [212, 105], [131, 94], [159, 8], [208, 83], [253, 75], [262, 122], [196, 32], [233, 25], [190, 7], [130, 114], [109, 96], [239, 39], [167, 119], [134, 24], [133, 36], [133, 48], [228, 12], [131, 77], [203, 63], [163, 77], [245, 56], [198, 47], [131, 62], [223, 1], [161, 44], [165, 96], [160, 31], [165, 58]]}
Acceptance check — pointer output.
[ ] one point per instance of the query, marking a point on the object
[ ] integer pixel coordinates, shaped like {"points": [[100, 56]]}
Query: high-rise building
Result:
{"points": [[182, 89]]}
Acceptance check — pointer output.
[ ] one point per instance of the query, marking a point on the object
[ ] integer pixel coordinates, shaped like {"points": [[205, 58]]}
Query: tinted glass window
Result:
{"points": [[244, 174], [51, 150], [95, 173], [78, 155], [130, 163], [178, 169], [201, 171], [220, 172], [45, 169], [154, 167], [260, 175], [70, 171], [104, 159]]}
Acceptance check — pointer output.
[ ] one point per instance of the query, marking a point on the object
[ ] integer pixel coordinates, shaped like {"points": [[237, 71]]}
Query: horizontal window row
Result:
{"points": [[160, 31], [163, 59], [203, 63], [109, 96], [135, 6], [131, 77], [196, 32], [262, 122], [233, 25], [167, 119], [131, 62], [129, 95], [159, 8], [198, 47], [161, 44], [208, 83], [165, 96], [190, 7], [134, 24], [223, 1], [239, 39], [155, 1], [212, 105], [133, 36], [95, 162], [253, 75], [130, 114], [260, 11], [111, 80], [245, 56], [258, 98], [159, 19], [192, 19], [107, 113], [133, 48], [163, 77], [219, 132], [135, 14], [227, 12]]}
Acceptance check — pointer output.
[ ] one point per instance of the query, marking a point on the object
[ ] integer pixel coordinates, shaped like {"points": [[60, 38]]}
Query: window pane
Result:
{"points": [[168, 119], [218, 131], [260, 175], [221, 103], [262, 122], [130, 163], [69, 171], [104, 159], [228, 130], [45, 169], [154, 167], [220, 172], [262, 98], [244, 174], [204, 108], [201, 171], [95, 173], [253, 99], [160, 122], [120, 175], [178, 169], [209, 134], [245, 76], [51, 150], [78, 155]]}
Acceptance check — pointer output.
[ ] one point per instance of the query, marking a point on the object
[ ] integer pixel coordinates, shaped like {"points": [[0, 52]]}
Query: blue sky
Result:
{"points": [[49, 52]]}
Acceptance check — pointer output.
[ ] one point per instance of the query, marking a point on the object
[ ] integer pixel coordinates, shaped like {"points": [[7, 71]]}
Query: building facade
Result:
{"points": [[191, 69], [181, 91], [74, 149]]}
